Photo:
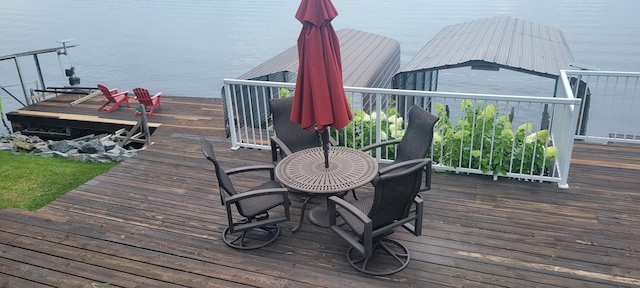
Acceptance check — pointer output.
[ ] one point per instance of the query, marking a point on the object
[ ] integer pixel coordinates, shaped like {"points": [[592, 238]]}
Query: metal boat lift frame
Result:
{"points": [[34, 53]]}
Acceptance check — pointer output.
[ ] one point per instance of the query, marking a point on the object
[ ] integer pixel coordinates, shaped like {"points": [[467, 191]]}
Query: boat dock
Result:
{"points": [[155, 220], [57, 117]]}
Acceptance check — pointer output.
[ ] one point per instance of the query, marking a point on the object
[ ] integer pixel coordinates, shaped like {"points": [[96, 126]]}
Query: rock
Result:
{"points": [[47, 154], [63, 146], [85, 148], [92, 147], [60, 154], [41, 147], [22, 144], [78, 157], [108, 145], [18, 137], [6, 146], [99, 158]]}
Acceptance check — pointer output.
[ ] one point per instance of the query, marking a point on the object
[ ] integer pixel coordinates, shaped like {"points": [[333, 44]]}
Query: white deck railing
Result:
{"points": [[499, 135], [610, 106]]}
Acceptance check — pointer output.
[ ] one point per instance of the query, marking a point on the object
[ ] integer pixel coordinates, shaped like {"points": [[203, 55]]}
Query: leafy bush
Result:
{"points": [[362, 130], [484, 140], [481, 139]]}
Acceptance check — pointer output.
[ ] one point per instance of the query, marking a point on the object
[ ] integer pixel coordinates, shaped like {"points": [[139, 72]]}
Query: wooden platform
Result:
{"points": [[155, 221], [179, 114]]}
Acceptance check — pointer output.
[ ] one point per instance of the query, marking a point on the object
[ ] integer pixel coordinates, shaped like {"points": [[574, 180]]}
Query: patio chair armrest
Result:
{"points": [[385, 170], [418, 200], [157, 95], [254, 168], [123, 93], [256, 193], [363, 247], [335, 200], [283, 147], [114, 90], [380, 144]]}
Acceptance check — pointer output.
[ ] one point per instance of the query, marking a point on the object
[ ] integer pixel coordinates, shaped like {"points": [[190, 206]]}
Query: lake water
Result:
{"points": [[187, 47]]}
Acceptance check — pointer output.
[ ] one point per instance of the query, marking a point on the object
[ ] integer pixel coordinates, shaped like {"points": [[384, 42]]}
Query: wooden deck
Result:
{"points": [[155, 221]]}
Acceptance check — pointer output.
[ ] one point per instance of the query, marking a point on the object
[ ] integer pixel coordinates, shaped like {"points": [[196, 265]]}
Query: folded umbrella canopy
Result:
{"points": [[319, 98]]}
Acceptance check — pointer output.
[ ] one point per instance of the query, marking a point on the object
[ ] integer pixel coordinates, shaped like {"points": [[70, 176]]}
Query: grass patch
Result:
{"points": [[30, 182]]}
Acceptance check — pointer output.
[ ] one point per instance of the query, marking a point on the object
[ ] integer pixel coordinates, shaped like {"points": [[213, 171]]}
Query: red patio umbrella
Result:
{"points": [[319, 98]]}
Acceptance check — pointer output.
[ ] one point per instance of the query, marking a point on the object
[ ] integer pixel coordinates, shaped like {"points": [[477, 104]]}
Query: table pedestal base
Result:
{"points": [[319, 215]]}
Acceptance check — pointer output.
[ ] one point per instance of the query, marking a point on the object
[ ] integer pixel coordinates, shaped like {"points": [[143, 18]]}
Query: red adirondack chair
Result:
{"points": [[143, 96], [113, 96]]}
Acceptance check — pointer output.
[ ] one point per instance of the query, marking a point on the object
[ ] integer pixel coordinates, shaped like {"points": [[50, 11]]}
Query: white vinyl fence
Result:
{"points": [[501, 135], [610, 110]]}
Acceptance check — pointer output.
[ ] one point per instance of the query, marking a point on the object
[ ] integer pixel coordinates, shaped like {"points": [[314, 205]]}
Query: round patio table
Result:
{"points": [[305, 171]]}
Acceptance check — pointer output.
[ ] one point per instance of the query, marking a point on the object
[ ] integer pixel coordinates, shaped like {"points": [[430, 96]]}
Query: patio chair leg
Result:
{"points": [[400, 255], [262, 236]]}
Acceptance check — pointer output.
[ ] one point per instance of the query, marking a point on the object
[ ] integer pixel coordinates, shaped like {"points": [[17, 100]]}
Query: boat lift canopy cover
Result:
{"points": [[493, 43], [368, 60]]}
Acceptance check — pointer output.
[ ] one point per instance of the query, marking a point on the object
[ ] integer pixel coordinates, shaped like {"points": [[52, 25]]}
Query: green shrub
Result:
{"points": [[362, 131], [484, 140], [481, 139]]}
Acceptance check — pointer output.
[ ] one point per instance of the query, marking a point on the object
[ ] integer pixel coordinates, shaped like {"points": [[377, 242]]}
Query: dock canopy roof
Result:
{"points": [[368, 60], [493, 43]]}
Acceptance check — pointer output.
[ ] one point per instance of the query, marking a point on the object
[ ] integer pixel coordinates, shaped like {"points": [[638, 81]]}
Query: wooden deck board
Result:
{"points": [[155, 220]]}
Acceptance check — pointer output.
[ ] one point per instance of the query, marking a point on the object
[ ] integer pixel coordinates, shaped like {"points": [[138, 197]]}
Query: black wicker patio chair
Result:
{"points": [[372, 219], [415, 143], [289, 136], [256, 228]]}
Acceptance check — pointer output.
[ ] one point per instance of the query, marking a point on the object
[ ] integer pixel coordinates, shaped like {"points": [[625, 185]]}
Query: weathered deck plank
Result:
{"points": [[155, 220]]}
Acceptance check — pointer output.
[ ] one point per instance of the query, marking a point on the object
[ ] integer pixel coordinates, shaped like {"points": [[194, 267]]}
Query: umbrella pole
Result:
{"points": [[325, 146]]}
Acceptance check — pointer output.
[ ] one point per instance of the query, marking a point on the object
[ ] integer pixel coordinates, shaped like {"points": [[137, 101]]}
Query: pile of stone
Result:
{"points": [[88, 148]]}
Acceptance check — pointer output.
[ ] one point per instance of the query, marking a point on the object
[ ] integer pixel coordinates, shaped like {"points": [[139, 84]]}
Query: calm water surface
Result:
{"points": [[186, 48]]}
